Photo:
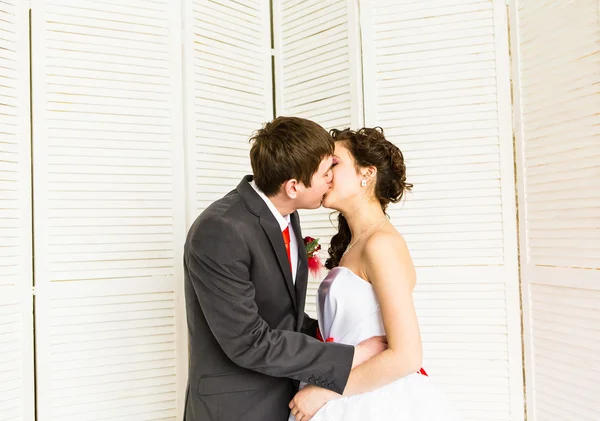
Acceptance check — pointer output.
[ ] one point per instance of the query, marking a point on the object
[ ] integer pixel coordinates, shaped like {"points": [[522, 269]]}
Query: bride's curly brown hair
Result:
{"points": [[369, 147]]}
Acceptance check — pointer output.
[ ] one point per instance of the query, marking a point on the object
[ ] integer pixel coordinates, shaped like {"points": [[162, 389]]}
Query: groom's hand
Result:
{"points": [[368, 348], [309, 400]]}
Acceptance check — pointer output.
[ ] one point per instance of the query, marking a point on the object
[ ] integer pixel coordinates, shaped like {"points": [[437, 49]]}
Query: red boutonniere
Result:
{"points": [[312, 247]]}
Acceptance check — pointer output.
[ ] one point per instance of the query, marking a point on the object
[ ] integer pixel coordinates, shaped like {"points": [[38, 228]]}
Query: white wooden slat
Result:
{"points": [[441, 23], [333, 81], [329, 48], [228, 93], [555, 50], [436, 79], [109, 212], [17, 380], [213, 54], [302, 29], [235, 19], [311, 44]]}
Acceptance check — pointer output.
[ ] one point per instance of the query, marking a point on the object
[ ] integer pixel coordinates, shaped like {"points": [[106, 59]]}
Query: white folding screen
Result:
{"points": [[556, 72], [317, 74], [119, 172], [16, 298], [228, 95], [436, 78], [109, 209]]}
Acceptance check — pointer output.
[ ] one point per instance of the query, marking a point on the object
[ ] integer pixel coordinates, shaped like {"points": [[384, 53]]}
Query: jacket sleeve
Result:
{"points": [[218, 263]]}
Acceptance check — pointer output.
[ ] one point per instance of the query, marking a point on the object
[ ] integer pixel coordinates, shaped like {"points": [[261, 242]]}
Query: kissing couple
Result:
{"points": [[254, 354]]}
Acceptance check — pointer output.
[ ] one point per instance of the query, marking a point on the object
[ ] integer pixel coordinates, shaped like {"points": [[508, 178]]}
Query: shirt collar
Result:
{"points": [[283, 221]]}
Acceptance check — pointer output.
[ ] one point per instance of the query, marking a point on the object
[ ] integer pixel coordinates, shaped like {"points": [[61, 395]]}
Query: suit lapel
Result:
{"points": [[269, 224], [302, 270], [273, 231]]}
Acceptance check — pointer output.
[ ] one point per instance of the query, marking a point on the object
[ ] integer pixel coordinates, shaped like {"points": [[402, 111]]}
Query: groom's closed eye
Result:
{"points": [[333, 164]]}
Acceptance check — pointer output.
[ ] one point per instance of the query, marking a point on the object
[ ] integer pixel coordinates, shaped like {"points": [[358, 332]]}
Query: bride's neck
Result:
{"points": [[363, 218]]}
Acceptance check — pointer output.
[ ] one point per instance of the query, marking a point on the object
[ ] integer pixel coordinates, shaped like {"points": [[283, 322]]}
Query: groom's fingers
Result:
{"points": [[299, 416]]}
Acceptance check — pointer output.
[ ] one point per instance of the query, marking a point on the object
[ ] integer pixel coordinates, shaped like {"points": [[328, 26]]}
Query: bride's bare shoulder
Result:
{"points": [[386, 240], [388, 249]]}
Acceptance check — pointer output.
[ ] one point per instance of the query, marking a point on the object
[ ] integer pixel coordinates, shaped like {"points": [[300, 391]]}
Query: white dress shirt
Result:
{"points": [[284, 221]]}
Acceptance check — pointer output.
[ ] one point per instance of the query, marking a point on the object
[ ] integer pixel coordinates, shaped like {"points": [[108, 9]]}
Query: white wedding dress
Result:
{"points": [[348, 313]]}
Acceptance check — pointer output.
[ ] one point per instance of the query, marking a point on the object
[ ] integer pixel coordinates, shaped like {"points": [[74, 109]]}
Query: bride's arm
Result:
{"points": [[390, 270]]}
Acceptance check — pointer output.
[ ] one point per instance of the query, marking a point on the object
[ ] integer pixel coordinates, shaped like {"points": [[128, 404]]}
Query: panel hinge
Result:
{"points": [[32, 290]]}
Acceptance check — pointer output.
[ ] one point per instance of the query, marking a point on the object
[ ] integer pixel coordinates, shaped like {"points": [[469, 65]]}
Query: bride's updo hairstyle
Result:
{"points": [[369, 147]]}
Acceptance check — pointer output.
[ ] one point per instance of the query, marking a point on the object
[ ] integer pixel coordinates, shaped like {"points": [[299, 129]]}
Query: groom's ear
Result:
{"points": [[290, 188]]}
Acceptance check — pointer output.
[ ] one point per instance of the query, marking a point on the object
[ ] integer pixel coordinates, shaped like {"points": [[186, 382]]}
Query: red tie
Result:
{"points": [[286, 241]]}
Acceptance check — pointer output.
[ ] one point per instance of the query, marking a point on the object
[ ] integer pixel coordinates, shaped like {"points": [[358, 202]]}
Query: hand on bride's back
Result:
{"points": [[368, 348]]}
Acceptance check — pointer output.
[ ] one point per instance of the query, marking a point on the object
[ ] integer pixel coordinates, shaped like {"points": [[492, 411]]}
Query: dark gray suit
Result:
{"points": [[245, 316]]}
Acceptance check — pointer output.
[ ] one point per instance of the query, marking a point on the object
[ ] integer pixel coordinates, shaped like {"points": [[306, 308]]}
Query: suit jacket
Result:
{"points": [[246, 317]]}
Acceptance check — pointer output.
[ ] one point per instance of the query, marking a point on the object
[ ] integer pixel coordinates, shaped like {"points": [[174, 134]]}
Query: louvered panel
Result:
{"points": [[317, 67], [462, 316], [558, 138], [566, 345], [229, 94], [115, 353], [436, 79], [439, 138], [16, 281], [560, 100], [315, 59], [109, 211]]}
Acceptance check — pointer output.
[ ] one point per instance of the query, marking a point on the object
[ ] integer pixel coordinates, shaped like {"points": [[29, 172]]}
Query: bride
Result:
{"points": [[368, 292]]}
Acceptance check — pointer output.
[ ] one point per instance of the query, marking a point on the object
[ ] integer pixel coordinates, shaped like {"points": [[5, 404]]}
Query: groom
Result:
{"points": [[246, 275]]}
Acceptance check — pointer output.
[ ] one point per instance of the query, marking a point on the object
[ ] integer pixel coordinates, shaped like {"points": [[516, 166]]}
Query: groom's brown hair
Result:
{"points": [[286, 148]]}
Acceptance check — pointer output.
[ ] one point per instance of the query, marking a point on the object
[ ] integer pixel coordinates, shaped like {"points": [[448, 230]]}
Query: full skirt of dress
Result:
{"points": [[412, 398]]}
